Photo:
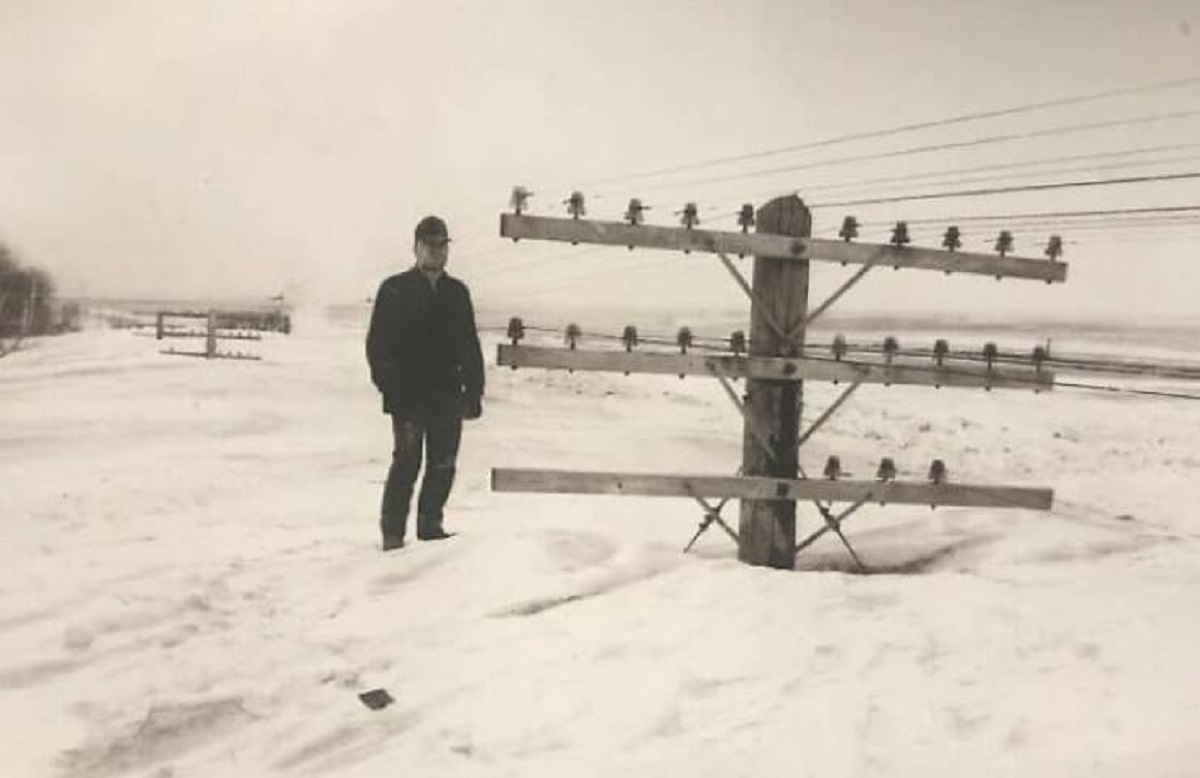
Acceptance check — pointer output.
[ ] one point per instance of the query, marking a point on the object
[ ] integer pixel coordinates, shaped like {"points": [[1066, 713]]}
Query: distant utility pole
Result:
{"points": [[771, 480], [211, 334]]}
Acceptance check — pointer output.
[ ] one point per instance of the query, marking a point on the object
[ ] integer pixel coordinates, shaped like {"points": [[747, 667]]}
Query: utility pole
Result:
{"points": [[768, 528], [771, 481]]}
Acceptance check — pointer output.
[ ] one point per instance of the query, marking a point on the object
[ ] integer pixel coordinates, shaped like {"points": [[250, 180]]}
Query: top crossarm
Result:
{"points": [[610, 233]]}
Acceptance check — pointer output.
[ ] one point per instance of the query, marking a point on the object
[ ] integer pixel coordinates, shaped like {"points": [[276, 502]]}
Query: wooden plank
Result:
{"points": [[762, 488], [609, 233], [774, 368]]}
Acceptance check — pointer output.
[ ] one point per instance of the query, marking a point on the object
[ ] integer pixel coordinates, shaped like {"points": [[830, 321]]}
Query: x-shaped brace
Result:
{"points": [[712, 514], [834, 524]]}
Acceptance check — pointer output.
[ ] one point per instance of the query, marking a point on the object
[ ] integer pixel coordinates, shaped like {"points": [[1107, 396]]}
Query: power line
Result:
{"points": [[988, 140], [950, 179], [589, 273], [1047, 214], [1128, 220], [723, 209], [517, 266], [1119, 221], [714, 213], [908, 177], [698, 342], [1012, 189], [1072, 230], [912, 127]]}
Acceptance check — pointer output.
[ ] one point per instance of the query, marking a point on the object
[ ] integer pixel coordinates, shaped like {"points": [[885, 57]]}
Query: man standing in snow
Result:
{"points": [[425, 359]]}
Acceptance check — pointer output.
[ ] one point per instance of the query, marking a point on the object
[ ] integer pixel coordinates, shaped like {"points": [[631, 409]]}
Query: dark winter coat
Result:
{"points": [[422, 345]]}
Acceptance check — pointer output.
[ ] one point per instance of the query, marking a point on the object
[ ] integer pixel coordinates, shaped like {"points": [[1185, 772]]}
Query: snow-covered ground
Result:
{"points": [[191, 583]]}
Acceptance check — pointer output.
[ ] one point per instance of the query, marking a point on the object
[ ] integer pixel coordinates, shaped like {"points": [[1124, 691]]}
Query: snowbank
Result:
{"points": [[192, 584]]}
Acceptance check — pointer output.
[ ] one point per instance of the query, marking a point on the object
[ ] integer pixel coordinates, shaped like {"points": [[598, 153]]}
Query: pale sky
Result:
{"points": [[245, 147]]}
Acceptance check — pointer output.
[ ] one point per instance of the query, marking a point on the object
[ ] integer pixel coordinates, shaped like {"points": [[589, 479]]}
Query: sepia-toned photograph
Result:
{"points": [[685, 388]]}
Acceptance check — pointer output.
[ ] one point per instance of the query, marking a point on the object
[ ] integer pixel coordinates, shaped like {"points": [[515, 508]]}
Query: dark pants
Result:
{"points": [[438, 434]]}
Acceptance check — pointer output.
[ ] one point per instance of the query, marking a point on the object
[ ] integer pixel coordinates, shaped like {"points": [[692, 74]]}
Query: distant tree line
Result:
{"points": [[28, 303]]}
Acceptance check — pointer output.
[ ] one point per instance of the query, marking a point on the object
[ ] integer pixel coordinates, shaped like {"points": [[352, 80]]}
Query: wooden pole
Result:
{"points": [[210, 336], [767, 529]]}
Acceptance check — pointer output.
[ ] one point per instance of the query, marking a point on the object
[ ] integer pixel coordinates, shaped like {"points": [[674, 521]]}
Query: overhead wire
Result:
{"points": [[722, 210], [1155, 86], [944, 371], [1055, 214], [1071, 234], [544, 284], [1038, 187], [909, 127], [714, 212], [1118, 221], [1006, 176], [899, 180], [910, 177], [1111, 222], [935, 147], [529, 264]]}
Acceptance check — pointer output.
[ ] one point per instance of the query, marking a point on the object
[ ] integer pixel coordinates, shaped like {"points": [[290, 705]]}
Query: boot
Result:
{"points": [[429, 528]]}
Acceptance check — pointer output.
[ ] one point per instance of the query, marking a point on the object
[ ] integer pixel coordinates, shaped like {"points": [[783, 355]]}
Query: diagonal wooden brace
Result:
{"points": [[712, 513], [824, 417], [761, 435], [832, 523], [741, 281], [841, 290]]}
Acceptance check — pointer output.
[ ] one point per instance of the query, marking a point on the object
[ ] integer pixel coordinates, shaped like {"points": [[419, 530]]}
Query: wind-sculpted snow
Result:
{"points": [[190, 583]]}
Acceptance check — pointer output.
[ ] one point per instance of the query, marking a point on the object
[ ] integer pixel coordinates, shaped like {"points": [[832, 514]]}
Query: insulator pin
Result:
{"points": [[629, 337], [519, 198], [516, 330], [575, 205], [952, 240], [572, 335], [849, 230], [737, 342]]}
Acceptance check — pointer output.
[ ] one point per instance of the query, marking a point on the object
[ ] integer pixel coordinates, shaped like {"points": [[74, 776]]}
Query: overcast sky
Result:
{"points": [[246, 147]]}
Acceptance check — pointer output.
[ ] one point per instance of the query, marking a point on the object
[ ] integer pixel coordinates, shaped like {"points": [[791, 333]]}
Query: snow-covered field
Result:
{"points": [[192, 584]]}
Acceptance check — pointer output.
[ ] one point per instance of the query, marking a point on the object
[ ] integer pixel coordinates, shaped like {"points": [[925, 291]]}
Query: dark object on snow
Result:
{"points": [[376, 699]]}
